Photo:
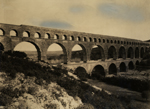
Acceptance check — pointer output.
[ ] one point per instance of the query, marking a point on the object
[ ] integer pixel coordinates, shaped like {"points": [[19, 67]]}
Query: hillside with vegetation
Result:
{"points": [[27, 84]]}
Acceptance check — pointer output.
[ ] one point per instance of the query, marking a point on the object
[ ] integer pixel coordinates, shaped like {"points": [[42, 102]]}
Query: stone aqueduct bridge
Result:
{"points": [[117, 54]]}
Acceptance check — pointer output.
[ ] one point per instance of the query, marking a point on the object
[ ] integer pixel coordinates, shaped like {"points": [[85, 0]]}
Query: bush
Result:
{"points": [[5, 99], [16, 54], [132, 84], [86, 106], [10, 92], [33, 90]]}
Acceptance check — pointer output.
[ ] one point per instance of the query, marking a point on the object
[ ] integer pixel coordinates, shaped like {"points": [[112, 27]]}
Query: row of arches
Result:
{"points": [[79, 52], [99, 71], [13, 32]]}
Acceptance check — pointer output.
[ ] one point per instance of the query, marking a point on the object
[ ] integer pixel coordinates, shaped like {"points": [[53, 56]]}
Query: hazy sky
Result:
{"points": [[123, 18]]}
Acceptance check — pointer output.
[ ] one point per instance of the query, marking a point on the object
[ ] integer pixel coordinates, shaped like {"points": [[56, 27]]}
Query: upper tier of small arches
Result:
{"points": [[14, 33]]}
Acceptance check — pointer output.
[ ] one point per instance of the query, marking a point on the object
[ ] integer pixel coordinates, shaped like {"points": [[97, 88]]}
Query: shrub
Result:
{"points": [[5, 99], [86, 106], [32, 90], [10, 92]]}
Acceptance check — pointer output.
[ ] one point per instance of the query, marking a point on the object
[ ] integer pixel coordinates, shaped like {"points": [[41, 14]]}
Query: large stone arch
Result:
{"points": [[36, 46], [130, 65], [136, 52], [81, 72], [130, 53], [137, 63], [97, 53], [112, 53], [122, 67], [122, 52], [84, 51], [98, 72], [112, 69], [142, 52], [63, 48]]}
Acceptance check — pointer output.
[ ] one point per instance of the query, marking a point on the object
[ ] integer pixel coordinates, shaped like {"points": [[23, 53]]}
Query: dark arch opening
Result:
{"points": [[78, 53], [122, 67], [130, 53], [85, 39], [137, 63], [111, 41], [47, 36], [103, 40], [136, 52], [112, 53], [56, 53], [99, 40], [64, 37], [131, 65], [112, 69], [90, 39], [56, 36], [98, 72], [13, 33], [95, 40], [78, 38], [37, 35], [122, 53], [2, 32], [97, 52], [30, 48], [142, 52], [26, 34], [81, 73], [1, 47], [72, 38], [107, 41]]}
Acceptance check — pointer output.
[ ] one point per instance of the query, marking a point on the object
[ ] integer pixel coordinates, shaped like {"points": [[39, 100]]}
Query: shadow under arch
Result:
{"points": [[64, 56], [130, 53], [35, 45], [112, 69], [122, 52], [81, 72], [122, 67], [1, 47], [131, 65], [97, 52], [82, 54], [98, 72], [112, 53], [137, 63]]}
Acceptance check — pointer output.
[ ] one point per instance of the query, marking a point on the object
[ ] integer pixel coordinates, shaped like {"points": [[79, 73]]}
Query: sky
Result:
{"points": [[122, 18]]}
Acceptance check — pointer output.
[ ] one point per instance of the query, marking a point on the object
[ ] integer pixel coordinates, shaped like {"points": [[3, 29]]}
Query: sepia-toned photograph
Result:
{"points": [[74, 54]]}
